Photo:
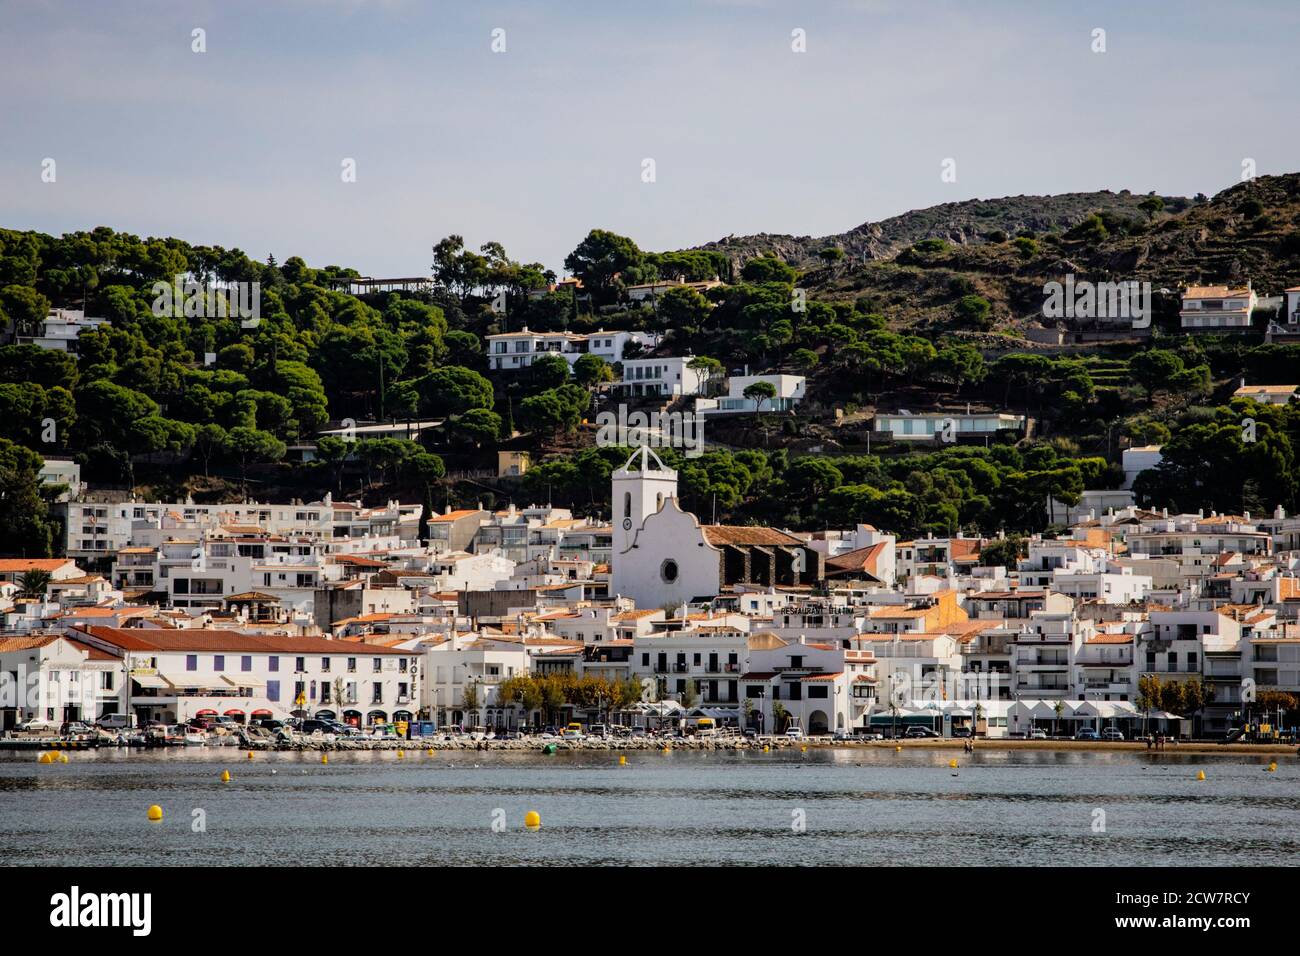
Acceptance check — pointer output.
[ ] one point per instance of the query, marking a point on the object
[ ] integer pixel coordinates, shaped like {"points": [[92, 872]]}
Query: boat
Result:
{"points": [[196, 738]]}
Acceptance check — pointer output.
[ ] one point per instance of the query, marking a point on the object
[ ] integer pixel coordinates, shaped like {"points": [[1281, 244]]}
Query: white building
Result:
{"points": [[1138, 459], [931, 426], [1217, 307], [475, 664], [177, 674], [509, 351], [60, 330], [664, 557], [789, 393], [671, 376]]}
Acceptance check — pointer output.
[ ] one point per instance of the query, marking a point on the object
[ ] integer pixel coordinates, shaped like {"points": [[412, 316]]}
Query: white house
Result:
{"points": [[670, 376], [60, 330], [1217, 307], [789, 393], [951, 426], [509, 351], [1268, 394]]}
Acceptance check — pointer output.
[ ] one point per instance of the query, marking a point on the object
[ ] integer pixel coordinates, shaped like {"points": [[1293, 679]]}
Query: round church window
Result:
{"points": [[669, 570]]}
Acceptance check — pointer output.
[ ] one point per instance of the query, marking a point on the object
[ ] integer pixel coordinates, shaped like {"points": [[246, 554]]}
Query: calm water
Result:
{"points": [[870, 806]]}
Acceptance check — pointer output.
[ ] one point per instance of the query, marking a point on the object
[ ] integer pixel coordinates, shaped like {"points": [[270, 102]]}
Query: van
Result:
{"points": [[114, 722], [576, 727], [705, 727]]}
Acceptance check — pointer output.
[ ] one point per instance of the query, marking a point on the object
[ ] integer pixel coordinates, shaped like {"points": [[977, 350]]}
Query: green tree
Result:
{"points": [[25, 526]]}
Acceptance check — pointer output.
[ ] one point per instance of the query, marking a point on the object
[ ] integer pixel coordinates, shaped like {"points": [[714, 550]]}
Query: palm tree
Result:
{"points": [[34, 583], [1057, 708], [780, 717]]}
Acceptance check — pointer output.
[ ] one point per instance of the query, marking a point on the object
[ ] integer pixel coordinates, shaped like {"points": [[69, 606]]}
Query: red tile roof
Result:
{"points": [[195, 639]]}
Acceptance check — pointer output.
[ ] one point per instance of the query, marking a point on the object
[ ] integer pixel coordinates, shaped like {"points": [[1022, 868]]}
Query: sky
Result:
{"points": [[244, 145]]}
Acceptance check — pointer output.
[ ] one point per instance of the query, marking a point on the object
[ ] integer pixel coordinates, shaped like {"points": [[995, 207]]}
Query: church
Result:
{"points": [[663, 557]]}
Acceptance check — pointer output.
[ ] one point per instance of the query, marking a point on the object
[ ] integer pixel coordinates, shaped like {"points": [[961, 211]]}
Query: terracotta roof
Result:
{"points": [[723, 534], [862, 559], [194, 639], [252, 596], [1213, 292], [11, 565], [1110, 639], [8, 644], [453, 515]]}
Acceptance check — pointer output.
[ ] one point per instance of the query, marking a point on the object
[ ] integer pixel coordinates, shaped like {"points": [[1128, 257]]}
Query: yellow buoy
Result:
{"points": [[803, 749], [1200, 775], [953, 763], [898, 748], [225, 776], [429, 752], [765, 748], [250, 755], [63, 758], [324, 758], [1272, 767], [401, 755], [155, 813], [533, 820], [622, 760], [666, 750], [45, 758]]}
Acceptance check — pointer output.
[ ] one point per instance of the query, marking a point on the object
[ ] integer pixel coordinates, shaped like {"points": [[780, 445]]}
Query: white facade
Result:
{"points": [[670, 376], [1217, 307]]}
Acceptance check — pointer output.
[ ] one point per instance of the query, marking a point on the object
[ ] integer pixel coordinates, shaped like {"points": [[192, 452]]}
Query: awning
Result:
{"points": [[243, 681], [261, 713], [233, 712], [205, 713], [152, 681]]}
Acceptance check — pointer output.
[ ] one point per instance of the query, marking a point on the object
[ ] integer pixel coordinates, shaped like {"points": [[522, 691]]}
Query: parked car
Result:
{"points": [[1087, 734], [795, 733], [1038, 735], [871, 735], [961, 732], [571, 735], [915, 732], [1112, 733], [597, 730], [114, 722], [37, 725], [72, 728]]}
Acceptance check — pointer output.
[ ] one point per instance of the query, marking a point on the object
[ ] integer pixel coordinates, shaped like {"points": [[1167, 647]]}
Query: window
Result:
{"points": [[668, 571], [377, 692], [300, 664], [273, 664], [378, 664], [105, 680], [273, 689], [246, 663], [401, 665], [191, 662], [817, 690], [352, 665], [324, 692]]}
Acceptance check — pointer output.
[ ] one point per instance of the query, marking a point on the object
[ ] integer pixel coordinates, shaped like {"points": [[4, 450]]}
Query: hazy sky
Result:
{"points": [[242, 145]]}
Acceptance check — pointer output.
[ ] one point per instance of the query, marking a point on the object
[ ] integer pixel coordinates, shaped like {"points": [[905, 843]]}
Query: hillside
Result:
{"points": [[1247, 232], [961, 223]]}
